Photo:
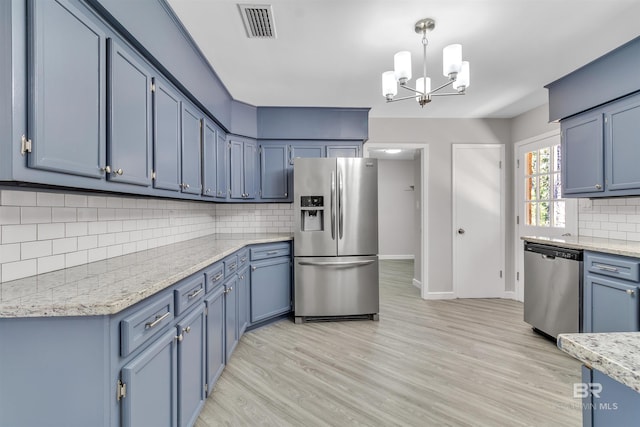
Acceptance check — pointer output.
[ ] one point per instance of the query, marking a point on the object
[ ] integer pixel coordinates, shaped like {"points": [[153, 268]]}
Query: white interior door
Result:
{"points": [[478, 220], [540, 208]]}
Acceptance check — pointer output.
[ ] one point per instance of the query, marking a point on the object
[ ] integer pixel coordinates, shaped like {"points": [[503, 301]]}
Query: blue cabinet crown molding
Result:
{"points": [[607, 78], [313, 123]]}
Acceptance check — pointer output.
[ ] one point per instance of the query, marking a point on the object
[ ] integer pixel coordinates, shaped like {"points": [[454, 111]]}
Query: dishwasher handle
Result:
{"points": [[548, 257]]}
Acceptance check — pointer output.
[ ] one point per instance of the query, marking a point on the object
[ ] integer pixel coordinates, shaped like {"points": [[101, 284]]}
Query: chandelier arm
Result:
{"points": [[413, 90], [448, 93], [442, 86], [402, 99]]}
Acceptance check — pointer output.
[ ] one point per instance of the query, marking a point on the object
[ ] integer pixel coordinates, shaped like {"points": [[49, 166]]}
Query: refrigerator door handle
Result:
{"points": [[336, 263], [333, 208], [340, 205]]}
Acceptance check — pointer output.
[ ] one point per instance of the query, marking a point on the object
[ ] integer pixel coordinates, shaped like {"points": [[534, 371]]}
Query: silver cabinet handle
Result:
{"points": [[195, 293], [631, 292], [186, 185], [106, 169], [333, 208], [598, 187], [187, 329], [118, 171], [606, 268], [272, 252], [218, 277], [179, 337], [336, 263], [207, 191], [254, 268], [158, 319], [243, 259], [285, 194]]}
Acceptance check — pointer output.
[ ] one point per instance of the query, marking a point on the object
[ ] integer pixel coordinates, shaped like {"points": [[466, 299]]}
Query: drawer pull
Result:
{"points": [[195, 294], [606, 268], [631, 292], [253, 268], [272, 252], [159, 319], [187, 329], [243, 259], [232, 266], [218, 277], [228, 290]]}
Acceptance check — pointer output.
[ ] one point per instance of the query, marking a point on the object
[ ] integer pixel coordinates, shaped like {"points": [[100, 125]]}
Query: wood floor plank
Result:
{"points": [[467, 362]]}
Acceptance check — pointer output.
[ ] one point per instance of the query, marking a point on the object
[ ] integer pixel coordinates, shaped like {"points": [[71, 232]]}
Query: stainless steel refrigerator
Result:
{"points": [[336, 238]]}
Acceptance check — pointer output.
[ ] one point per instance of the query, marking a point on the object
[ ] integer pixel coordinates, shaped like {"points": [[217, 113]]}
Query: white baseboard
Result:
{"points": [[395, 257], [417, 283], [440, 295], [510, 295]]}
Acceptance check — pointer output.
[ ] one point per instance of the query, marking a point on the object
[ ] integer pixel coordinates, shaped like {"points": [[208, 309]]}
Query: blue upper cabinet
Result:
{"points": [[166, 136], [222, 167], [343, 151], [602, 143], [582, 154], [242, 167], [129, 138], [191, 141], [622, 138], [274, 179], [305, 150], [67, 89], [209, 159]]}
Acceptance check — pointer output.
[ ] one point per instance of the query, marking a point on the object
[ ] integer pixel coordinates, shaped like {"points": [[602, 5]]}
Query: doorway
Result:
{"points": [[478, 220], [419, 153]]}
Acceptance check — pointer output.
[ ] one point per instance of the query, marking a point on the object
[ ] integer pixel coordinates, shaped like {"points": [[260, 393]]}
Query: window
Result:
{"points": [[543, 203]]}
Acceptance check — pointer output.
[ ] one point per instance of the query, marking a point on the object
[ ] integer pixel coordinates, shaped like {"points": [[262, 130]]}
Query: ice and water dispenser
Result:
{"points": [[312, 211]]}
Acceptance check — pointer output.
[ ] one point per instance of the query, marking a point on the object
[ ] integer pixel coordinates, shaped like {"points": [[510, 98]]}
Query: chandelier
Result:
{"points": [[453, 67]]}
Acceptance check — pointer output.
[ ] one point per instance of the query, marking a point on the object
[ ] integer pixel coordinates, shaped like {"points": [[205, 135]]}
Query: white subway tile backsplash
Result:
{"points": [[18, 233], [47, 231], [9, 215], [37, 249], [616, 218], [19, 269]]}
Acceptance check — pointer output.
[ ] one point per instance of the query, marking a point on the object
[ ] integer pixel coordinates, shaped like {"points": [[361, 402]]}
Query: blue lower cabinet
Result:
{"points": [[191, 366], [151, 385], [215, 337], [608, 402], [231, 315], [270, 288]]}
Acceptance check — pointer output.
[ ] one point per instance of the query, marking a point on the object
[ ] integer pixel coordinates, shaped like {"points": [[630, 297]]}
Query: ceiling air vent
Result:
{"points": [[258, 20]]}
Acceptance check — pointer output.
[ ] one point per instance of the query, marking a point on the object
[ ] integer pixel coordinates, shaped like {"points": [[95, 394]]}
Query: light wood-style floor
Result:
{"points": [[425, 363]]}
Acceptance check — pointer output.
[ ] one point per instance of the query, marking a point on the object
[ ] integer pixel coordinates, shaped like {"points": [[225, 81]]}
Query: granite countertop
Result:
{"points": [[611, 246], [109, 286], [615, 354]]}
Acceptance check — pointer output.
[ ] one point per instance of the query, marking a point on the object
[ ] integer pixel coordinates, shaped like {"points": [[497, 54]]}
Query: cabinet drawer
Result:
{"points": [[270, 251], [243, 258], [145, 323], [214, 276], [230, 265], [189, 292], [613, 266]]}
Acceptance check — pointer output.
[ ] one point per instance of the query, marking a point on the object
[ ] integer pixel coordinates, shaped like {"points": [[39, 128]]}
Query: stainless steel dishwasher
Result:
{"points": [[552, 288]]}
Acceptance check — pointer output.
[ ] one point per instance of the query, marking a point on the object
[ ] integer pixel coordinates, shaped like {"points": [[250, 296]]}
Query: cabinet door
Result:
{"points": [[236, 165], [222, 166], [191, 141], [343, 151], [209, 160], [273, 172], [191, 367], [582, 154], [231, 315], [622, 138], [610, 305], [151, 380], [67, 90], [243, 301], [615, 403], [215, 337], [166, 137], [306, 151], [129, 139], [270, 288], [250, 167]]}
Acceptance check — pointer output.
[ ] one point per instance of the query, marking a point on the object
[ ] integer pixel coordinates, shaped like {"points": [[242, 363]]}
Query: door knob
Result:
{"points": [[460, 230]]}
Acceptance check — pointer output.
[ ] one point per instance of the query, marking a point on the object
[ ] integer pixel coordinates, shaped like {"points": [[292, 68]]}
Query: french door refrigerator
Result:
{"points": [[335, 238]]}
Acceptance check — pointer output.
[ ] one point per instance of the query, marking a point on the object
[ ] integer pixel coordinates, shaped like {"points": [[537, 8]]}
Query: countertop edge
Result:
{"points": [[596, 244], [591, 357]]}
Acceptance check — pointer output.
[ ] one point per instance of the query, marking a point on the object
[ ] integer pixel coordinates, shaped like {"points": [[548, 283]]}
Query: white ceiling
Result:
{"points": [[332, 52]]}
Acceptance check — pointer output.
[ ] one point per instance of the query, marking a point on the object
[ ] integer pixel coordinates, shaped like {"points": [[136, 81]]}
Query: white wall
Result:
{"points": [[46, 231], [396, 209], [440, 134]]}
